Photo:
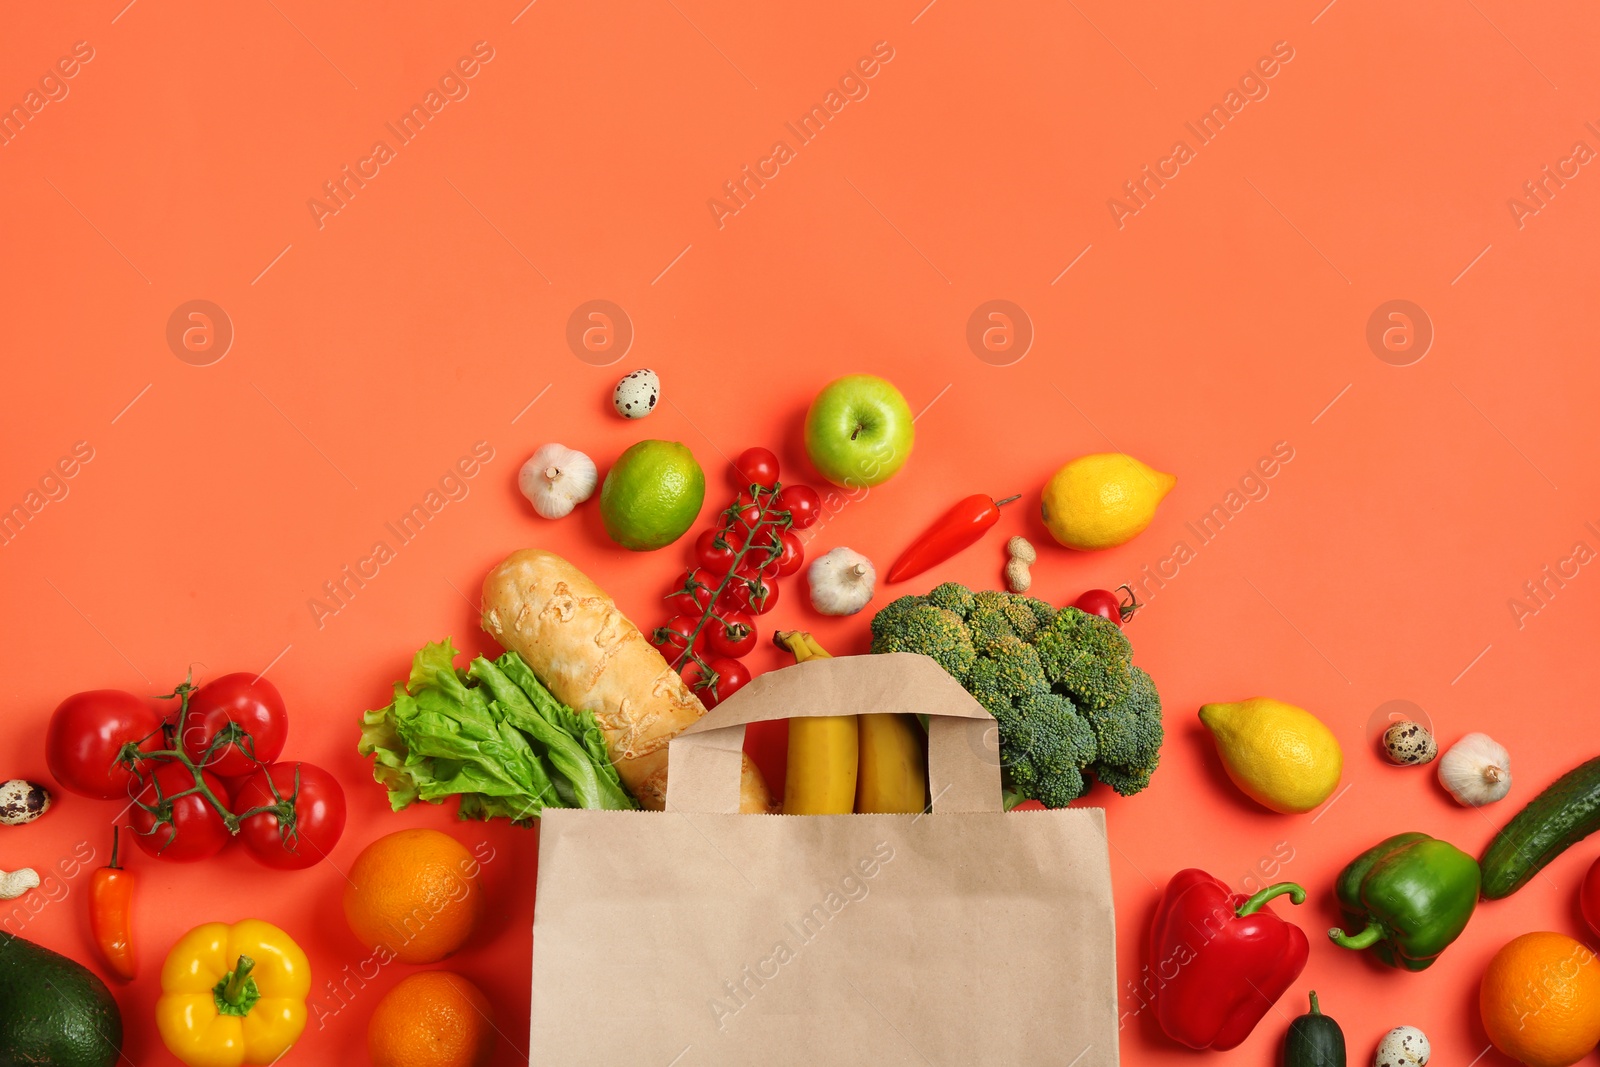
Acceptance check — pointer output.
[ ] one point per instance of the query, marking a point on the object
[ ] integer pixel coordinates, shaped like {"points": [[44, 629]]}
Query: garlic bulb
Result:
{"points": [[841, 582], [557, 479], [1476, 770]]}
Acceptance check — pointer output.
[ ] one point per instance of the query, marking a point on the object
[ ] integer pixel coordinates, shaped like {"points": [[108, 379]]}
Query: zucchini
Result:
{"points": [[1314, 1040], [1558, 818]]}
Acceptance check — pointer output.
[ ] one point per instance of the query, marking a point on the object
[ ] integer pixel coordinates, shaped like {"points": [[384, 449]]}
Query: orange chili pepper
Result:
{"points": [[111, 914]]}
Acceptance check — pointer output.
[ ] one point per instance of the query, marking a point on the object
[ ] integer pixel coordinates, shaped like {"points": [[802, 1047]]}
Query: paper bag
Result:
{"points": [[697, 935]]}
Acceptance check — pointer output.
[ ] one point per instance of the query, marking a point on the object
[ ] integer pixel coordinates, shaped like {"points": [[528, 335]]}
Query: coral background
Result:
{"points": [[374, 345]]}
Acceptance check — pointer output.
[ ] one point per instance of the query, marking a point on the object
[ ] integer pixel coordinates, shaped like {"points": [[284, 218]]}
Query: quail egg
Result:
{"points": [[1409, 744], [22, 802], [636, 394], [1404, 1046]]}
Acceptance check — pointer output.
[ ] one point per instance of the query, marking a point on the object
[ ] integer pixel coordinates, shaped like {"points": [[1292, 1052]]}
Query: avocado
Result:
{"points": [[54, 1011]]}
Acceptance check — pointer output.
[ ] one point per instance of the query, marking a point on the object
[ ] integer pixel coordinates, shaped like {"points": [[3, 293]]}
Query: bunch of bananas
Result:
{"points": [[840, 764]]}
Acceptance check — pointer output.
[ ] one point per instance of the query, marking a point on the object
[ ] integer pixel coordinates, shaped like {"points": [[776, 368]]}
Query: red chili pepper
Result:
{"points": [[1220, 960], [957, 528], [111, 914]]}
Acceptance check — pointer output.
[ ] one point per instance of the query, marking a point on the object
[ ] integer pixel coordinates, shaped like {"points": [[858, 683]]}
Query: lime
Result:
{"points": [[651, 495]]}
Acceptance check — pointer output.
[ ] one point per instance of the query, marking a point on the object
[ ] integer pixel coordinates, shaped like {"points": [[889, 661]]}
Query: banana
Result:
{"points": [[893, 774], [891, 767], [823, 750]]}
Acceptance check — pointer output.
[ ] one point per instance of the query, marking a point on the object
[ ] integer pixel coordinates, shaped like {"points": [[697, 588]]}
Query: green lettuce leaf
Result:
{"points": [[493, 736]]}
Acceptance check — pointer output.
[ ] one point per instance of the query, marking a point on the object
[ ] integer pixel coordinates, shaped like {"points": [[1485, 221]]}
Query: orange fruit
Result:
{"points": [[1540, 1000], [415, 893], [433, 1019]]}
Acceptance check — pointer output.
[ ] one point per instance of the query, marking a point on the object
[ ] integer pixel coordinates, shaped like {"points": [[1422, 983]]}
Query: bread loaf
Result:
{"points": [[592, 658]]}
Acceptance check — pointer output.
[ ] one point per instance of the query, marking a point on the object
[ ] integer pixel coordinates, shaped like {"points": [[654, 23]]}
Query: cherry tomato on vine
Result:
{"points": [[793, 555], [752, 592], [757, 466], [88, 730], [1107, 605], [317, 803], [249, 700], [732, 676], [182, 830], [714, 559], [790, 554], [671, 638], [693, 591], [693, 673], [802, 503], [732, 634], [750, 514]]}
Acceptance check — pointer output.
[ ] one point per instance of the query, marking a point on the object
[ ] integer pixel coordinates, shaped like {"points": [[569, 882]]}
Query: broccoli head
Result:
{"points": [[1061, 685], [1024, 621], [1088, 657], [952, 596], [1128, 736], [1008, 670], [888, 619], [1045, 746], [988, 626], [934, 632]]}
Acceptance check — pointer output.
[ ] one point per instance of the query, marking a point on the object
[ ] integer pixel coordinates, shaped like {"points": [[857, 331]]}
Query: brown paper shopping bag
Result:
{"points": [[698, 936]]}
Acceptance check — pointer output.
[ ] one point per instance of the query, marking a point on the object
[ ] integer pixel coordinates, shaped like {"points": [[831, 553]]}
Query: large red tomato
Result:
{"points": [[185, 829], [318, 804], [249, 700], [87, 732]]}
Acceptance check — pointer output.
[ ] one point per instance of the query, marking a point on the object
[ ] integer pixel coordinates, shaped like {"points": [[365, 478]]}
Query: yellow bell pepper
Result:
{"points": [[233, 995]]}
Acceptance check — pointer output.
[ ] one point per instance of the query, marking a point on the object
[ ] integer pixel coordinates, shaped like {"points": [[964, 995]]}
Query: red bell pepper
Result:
{"points": [[1229, 958]]}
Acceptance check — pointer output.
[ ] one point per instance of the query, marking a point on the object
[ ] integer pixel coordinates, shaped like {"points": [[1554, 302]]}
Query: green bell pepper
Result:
{"points": [[1411, 895]]}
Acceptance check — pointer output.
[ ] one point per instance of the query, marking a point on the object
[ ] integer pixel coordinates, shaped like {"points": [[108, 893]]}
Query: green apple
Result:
{"points": [[859, 431]]}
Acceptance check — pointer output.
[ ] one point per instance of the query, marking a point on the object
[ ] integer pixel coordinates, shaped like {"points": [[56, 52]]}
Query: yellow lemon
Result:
{"points": [[1280, 756], [1102, 500]]}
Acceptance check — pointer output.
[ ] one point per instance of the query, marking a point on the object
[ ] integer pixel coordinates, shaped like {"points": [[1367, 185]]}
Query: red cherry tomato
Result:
{"points": [[790, 554], [802, 503], [186, 829], [318, 805], [86, 733], [793, 555], [749, 514], [752, 592], [732, 676], [711, 557], [672, 638], [732, 634], [1102, 602], [1589, 898], [693, 674], [249, 700], [693, 591], [757, 466]]}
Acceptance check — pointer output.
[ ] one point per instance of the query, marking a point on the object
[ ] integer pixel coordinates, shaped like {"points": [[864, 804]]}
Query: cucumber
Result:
{"points": [[1314, 1040], [1558, 818]]}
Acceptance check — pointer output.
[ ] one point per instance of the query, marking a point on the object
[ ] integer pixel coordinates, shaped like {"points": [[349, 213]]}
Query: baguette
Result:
{"points": [[592, 658]]}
